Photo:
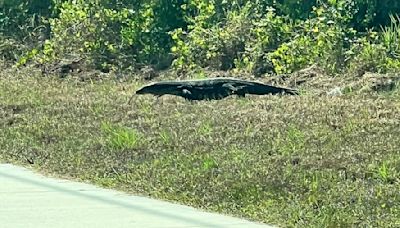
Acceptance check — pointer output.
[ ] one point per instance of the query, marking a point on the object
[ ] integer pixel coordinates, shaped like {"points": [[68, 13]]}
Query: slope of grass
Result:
{"points": [[308, 161]]}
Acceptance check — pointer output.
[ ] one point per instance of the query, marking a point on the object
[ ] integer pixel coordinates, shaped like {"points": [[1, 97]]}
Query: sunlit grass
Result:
{"points": [[305, 161]]}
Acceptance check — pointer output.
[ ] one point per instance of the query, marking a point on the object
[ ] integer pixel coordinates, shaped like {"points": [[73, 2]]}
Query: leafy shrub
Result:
{"points": [[296, 9], [207, 40], [80, 31], [26, 14], [378, 52], [372, 13], [322, 39], [21, 26], [266, 34], [111, 35], [256, 36], [239, 39]]}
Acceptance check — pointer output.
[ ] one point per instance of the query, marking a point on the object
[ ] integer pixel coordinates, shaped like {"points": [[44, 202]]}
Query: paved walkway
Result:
{"points": [[29, 200]]}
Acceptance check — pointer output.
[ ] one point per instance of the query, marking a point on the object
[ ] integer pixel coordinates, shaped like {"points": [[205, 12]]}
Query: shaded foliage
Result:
{"points": [[262, 36]]}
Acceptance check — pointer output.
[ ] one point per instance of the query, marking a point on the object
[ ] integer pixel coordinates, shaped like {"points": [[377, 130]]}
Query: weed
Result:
{"points": [[165, 137], [292, 143], [209, 163], [120, 138], [205, 128], [383, 172], [391, 36]]}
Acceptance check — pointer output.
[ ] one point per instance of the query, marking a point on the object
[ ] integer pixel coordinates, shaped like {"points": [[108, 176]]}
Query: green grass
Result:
{"points": [[305, 161], [120, 138]]}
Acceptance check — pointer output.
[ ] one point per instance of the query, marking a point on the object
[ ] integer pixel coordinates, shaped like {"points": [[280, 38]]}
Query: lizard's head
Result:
{"points": [[156, 89], [144, 90], [149, 89]]}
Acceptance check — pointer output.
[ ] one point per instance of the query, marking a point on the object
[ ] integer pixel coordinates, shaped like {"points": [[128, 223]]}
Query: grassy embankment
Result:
{"points": [[308, 161]]}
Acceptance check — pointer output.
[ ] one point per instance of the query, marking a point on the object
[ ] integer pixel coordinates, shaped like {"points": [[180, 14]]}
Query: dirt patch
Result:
{"points": [[372, 82], [13, 109], [10, 114], [315, 81], [311, 80]]}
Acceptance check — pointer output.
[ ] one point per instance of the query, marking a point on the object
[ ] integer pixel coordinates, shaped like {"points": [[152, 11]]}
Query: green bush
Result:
{"points": [[109, 35], [378, 52], [259, 36], [254, 36], [22, 27], [268, 32], [238, 41], [82, 30], [372, 13], [322, 39], [209, 43], [26, 14]]}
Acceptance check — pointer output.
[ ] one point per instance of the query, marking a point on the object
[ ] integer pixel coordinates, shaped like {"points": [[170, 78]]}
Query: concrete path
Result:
{"points": [[29, 200]]}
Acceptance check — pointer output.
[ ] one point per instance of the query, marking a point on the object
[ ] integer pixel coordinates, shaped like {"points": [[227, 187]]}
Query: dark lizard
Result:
{"points": [[212, 88]]}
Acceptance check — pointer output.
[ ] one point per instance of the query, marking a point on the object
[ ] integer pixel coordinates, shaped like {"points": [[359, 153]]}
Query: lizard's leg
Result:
{"points": [[158, 99], [235, 90], [130, 99], [231, 88]]}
